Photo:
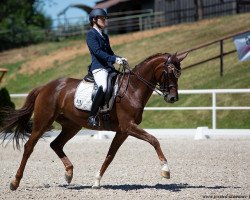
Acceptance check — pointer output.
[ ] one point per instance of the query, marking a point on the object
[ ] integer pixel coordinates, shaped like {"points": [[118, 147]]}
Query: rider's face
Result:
{"points": [[102, 22]]}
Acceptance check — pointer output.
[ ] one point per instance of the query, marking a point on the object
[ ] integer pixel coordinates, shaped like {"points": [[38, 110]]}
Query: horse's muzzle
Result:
{"points": [[170, 98]]}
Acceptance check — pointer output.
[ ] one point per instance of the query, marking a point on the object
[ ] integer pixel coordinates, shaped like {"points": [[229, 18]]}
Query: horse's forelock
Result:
{"points": [[175, 61]]}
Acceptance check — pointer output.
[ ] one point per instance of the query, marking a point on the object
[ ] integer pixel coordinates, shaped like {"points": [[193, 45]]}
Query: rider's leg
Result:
{"points": [[92, 120], [100, 76]]}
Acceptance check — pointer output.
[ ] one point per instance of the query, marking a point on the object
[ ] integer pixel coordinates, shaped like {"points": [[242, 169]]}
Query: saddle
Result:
{"points": [[87, 89], [110, 87]]}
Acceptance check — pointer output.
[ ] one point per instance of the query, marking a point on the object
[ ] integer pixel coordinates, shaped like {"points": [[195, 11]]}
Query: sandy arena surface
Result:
{"points": [[205, 169]]}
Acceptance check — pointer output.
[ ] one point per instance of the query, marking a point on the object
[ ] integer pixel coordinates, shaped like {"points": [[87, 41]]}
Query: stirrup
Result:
{"points": [[93, 121]]}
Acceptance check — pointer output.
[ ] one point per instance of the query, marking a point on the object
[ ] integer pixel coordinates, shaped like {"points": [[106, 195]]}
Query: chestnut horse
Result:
{"points": [[54, 102]]}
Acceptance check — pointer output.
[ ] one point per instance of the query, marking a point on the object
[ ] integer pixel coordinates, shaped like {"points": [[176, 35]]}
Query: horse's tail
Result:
{"points": [[16, 123]]}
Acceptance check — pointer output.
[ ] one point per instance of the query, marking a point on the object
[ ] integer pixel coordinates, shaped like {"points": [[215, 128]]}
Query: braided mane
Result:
{"points": [[150, 58]]}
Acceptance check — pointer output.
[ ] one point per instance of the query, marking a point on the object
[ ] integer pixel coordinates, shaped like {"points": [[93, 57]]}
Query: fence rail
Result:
{"points": [[214, 106], [218, 56]]}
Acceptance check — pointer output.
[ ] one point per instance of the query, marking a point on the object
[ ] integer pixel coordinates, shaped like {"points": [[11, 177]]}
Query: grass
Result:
{"points": [[177, 38]]}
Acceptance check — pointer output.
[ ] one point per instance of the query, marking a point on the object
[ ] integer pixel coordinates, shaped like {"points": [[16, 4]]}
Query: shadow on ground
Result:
{"points": [[170, 187]]}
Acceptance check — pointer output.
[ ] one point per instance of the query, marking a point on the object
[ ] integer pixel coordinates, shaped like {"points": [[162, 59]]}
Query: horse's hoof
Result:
{"points": [[13, 186], [68, 178], [96, 187], [165, 174]]}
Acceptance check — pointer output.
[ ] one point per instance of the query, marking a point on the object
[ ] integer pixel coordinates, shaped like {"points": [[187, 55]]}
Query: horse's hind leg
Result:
{"points": [[115, 145], [39, 127], [69, 129]]}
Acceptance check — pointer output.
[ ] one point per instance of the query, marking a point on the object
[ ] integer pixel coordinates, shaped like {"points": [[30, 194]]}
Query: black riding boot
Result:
{"points": [[93, 120]]}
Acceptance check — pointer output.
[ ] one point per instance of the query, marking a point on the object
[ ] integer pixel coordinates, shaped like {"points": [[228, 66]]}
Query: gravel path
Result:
{"points": [[206, 169]]}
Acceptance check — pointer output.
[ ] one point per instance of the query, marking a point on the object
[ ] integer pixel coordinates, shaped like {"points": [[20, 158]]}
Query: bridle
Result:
{"points": [[163, 88], [168, 66]]}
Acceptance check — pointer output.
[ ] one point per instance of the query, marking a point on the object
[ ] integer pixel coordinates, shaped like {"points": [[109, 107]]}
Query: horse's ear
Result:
{"points": [[182, 56]]}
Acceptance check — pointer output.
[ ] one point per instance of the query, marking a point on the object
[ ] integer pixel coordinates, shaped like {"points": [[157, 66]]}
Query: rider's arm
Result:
{"points": [[95, 48]]}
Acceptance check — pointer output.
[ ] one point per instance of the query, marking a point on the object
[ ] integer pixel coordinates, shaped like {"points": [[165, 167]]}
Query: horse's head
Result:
{"points": [[170, 73]]}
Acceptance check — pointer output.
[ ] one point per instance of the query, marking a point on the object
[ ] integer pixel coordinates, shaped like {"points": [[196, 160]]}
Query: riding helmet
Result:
{"points": [[97, 12]]}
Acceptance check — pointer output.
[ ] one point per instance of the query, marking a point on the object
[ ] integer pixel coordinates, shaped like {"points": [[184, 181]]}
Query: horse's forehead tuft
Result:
{"points": [[176, 63]]}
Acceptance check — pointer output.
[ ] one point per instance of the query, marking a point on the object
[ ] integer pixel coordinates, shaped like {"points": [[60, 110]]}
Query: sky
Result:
{"points": [[53, 7]]}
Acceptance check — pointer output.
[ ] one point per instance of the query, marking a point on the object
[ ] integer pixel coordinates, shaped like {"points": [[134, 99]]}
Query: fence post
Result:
{"points": [[214, 110], [221, 57], [3, 71], [237, 7], [199, 9], [140, 22]]}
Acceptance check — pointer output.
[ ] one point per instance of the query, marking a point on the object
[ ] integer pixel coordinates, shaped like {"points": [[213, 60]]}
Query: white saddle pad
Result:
{"points": [[82, 99]]}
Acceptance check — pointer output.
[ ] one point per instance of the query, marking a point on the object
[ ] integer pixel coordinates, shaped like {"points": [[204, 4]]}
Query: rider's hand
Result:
{"points": [[120, 61], [125, 59]]}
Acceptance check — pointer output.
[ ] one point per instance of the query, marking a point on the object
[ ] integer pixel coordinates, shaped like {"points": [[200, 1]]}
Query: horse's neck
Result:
{"points": [[146, 72]]}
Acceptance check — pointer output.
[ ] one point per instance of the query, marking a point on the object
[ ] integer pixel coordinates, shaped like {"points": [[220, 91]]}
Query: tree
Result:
{"points": [[22, 23]]}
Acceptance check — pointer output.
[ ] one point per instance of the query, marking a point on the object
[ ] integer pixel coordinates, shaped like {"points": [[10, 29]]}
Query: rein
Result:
{"points": [[122, 78], [156, 89]]}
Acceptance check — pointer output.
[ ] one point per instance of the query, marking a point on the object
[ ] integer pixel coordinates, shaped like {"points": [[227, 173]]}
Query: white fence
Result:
{"points": [[214, 107]]}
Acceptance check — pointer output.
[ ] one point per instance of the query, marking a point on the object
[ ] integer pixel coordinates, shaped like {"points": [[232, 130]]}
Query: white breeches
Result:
{"points": [[101, 77]]}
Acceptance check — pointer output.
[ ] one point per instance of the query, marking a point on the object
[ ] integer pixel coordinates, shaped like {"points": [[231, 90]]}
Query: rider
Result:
{"points": [[103, 59]]}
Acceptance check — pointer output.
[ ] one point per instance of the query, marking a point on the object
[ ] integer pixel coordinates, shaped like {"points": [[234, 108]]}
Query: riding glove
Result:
{"points": [[120, 61]]}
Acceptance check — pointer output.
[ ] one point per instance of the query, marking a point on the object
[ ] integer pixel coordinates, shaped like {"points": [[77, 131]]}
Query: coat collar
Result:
{"points": [[98, 30], [98, 34]]}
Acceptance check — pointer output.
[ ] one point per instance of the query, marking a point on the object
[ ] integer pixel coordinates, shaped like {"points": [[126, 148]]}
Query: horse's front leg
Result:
{"points": [[139, 133], [115, 145]]}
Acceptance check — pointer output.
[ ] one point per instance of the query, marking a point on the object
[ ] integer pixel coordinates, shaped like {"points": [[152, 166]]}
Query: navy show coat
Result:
{"points": [[100, 50]]}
